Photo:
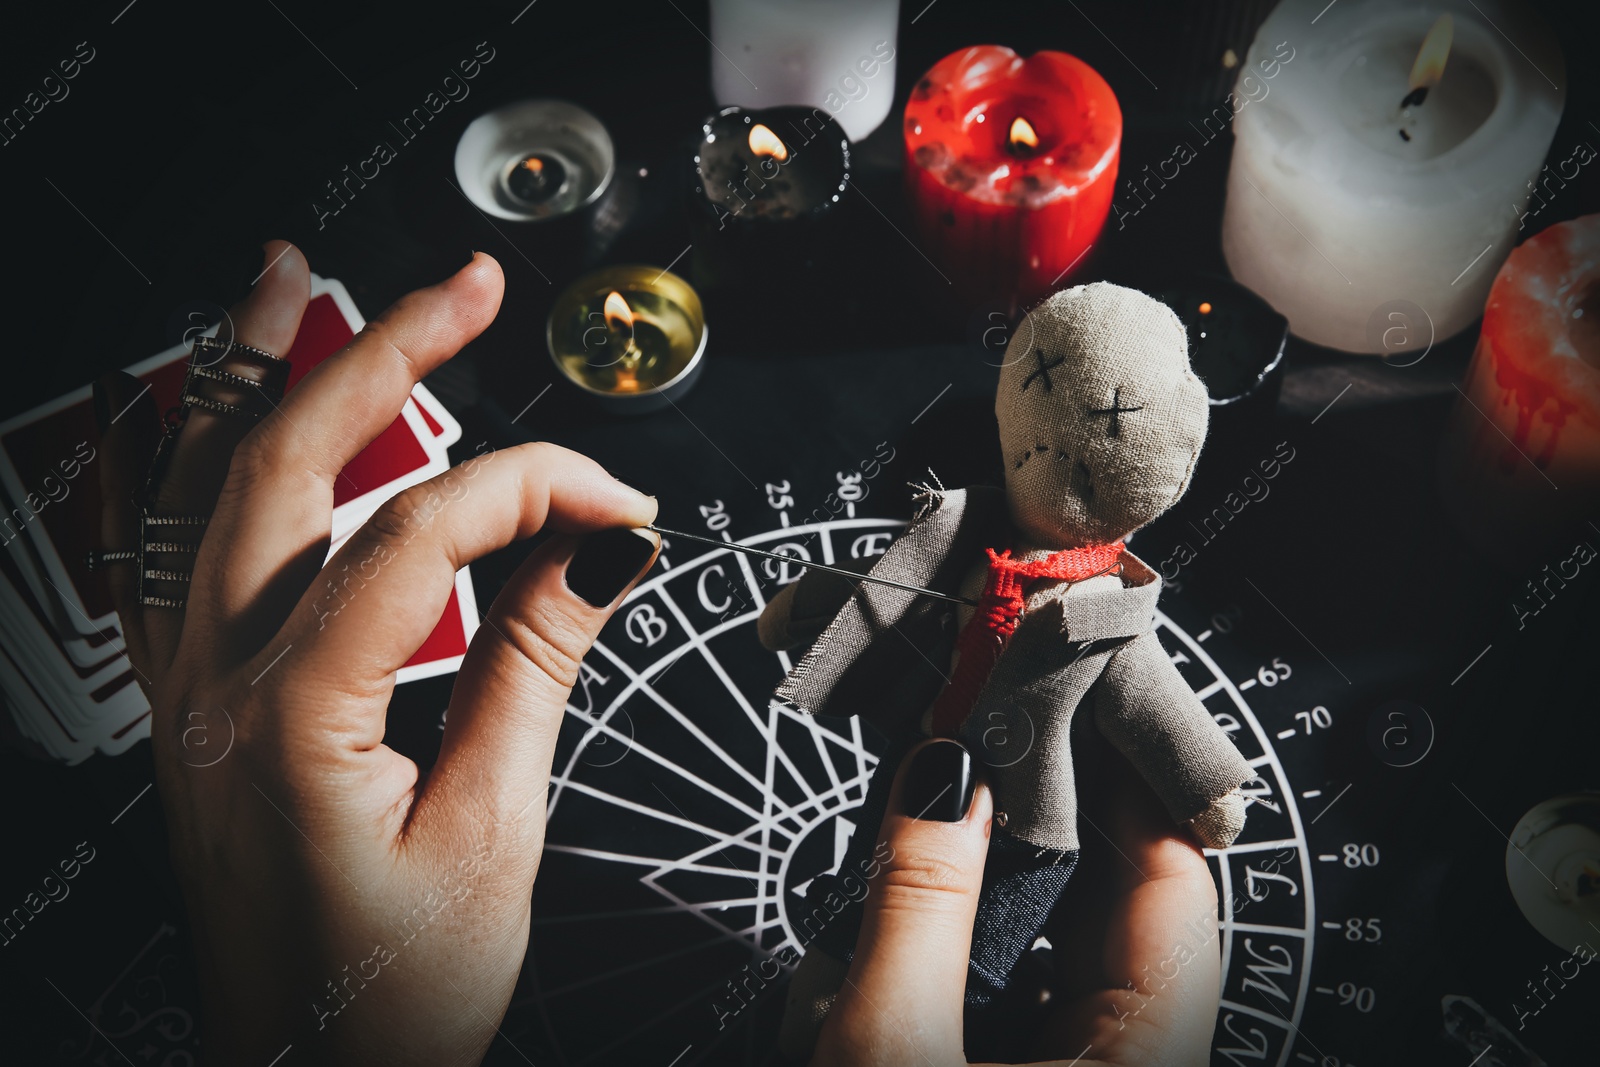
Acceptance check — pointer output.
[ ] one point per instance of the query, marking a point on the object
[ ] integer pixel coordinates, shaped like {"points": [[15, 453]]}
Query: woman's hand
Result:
{"points": [[901, 1002], [339, 903]]}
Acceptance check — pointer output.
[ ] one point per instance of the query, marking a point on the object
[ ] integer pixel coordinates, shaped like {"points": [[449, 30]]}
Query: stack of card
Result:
{"points": [[69, 688]]}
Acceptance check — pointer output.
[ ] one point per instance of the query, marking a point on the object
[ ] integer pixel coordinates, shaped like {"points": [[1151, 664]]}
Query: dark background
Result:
{"points": [[197, 133]]}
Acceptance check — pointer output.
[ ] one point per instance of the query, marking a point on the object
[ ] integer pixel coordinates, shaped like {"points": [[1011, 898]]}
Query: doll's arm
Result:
{"points": [[801, 610], [1146, 709]]}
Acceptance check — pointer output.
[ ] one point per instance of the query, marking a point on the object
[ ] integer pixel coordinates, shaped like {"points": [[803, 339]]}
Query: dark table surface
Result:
{"points": [[197, 133]]}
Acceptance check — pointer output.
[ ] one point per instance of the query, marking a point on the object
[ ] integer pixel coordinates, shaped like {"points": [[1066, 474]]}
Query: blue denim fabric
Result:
{"points": [[1021, 884]]}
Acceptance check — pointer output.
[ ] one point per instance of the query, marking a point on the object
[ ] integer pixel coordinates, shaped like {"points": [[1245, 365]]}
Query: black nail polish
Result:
{"points": [[939, 783], [606, 562], [102, 405]]}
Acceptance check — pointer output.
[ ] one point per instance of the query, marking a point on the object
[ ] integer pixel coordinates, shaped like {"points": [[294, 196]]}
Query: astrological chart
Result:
{"points": [[689, 811]]}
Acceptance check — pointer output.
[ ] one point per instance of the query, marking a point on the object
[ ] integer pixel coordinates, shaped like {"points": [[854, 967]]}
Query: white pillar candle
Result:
{"points": [[837, 55], [1341, 204]]}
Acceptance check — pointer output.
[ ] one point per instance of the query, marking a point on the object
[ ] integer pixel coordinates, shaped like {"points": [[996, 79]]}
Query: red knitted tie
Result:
{"points": [[992, 624]]}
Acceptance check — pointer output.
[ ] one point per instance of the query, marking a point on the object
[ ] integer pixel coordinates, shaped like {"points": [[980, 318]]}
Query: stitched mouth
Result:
{"points": [[1082, 476], [1036, 450]]}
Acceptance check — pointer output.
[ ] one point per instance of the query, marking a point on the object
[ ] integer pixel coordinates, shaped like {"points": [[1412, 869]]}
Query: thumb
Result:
{"points": [[508, 704], [901, 1001]]}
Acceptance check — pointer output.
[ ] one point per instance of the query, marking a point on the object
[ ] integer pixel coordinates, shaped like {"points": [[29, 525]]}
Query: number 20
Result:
{"points": [[716, 517]]}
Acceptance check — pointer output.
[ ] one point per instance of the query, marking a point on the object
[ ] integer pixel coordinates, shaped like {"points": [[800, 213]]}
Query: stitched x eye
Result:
{"points": [[1043, 370], [1116, 408]]}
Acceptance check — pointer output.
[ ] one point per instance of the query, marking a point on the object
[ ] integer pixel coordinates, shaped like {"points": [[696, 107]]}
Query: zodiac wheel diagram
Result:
{"points": [[688, 812]]}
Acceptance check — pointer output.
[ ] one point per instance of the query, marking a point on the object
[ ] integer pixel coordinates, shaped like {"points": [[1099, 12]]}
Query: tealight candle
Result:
{"points": [[1522, 452], [534, 160], [1010, 166], [1388, 159], [767, 193], [633, 337]]}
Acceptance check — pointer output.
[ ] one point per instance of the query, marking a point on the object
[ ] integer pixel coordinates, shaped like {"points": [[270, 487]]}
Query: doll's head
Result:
{"points": [[1101, 419]]}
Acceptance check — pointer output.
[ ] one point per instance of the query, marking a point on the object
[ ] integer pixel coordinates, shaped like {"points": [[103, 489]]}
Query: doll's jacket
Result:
{"points": [[884, 654]]}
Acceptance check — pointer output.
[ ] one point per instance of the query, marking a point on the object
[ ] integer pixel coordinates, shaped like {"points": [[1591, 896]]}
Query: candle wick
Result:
{"points": [[1415, 97]]}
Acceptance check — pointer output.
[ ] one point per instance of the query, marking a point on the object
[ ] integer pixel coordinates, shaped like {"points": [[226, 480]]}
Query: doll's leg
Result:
{"points": [[1021, 883]]}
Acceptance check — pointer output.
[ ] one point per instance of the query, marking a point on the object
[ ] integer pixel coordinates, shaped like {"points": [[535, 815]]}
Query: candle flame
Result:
{"points": [[763, 142], [1205, 307], [1431, 57], [619, 316], [534, 164], [1022, 135]]}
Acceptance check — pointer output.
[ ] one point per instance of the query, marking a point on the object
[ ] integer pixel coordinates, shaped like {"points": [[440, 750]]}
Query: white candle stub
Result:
{"points": [[1390, 163], [835, 55]]}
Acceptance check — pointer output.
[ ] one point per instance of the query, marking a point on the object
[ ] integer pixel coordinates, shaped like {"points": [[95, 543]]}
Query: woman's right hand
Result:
{"points": [[901, 1002]]}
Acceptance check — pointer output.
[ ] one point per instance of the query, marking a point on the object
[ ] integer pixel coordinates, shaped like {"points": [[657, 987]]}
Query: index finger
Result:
{"points": [[276, 507], [382, 594]]}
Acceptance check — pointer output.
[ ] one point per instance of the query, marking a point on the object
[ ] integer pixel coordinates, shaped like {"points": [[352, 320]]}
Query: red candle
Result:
{"points": [[1010, 167], [1522, 465]]}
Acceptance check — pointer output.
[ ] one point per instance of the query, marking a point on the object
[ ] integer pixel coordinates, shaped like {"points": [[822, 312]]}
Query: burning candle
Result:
{"points": [[836, 55], [767, 195], [537, 178], [1010, 167], [534, 160], [633, 337], [1388, 161], [1522, 455]]}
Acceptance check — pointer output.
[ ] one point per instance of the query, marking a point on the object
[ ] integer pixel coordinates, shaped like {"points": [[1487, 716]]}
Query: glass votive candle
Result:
{"points": [[766, 202], [1236, 345]]}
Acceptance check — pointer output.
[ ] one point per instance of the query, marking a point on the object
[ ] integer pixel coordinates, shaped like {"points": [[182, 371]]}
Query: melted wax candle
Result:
{"points": [[1010, 167], [1523, 449]]}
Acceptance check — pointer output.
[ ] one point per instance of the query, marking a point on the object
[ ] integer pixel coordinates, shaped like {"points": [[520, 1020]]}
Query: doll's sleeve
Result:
{"points": [[1146, 709], [801, 610]]}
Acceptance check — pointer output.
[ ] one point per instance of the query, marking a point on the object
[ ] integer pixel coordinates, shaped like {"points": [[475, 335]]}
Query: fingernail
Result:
{"points": [[102, 405], [939, 783], [607, 561]]}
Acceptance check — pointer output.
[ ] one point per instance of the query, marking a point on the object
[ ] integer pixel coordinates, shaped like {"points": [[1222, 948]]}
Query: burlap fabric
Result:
{"points": [[1074, 477]]}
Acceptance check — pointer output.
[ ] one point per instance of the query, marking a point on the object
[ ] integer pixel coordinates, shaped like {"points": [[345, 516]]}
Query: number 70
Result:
{"points": [[1319, 718]]}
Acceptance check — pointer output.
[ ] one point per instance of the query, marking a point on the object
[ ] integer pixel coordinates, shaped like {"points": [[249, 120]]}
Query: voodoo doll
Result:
{"points": [[1101, 422]]}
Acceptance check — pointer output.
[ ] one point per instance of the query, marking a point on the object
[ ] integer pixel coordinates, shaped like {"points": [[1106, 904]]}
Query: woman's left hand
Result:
{"points": [[340, 903]]}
